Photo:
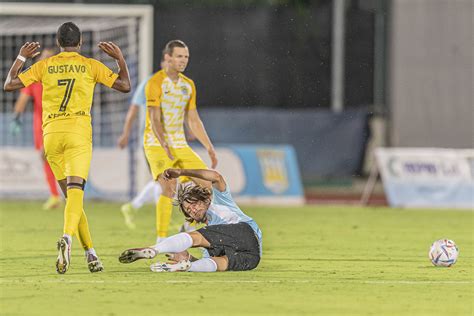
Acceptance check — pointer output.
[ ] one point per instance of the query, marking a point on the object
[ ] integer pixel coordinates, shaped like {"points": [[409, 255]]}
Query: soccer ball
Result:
{"points": [[443, 253]]}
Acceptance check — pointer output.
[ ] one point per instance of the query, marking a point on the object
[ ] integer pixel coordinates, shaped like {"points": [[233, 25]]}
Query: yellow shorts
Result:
{"points": [[184, 158], [68, 154]]}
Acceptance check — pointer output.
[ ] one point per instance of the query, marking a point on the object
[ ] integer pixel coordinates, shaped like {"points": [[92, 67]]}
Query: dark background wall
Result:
{"points": [[274, 57], [257, 53], [270, 56]]}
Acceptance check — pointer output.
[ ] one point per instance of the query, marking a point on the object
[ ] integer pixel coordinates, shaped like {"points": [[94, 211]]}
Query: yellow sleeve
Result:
{"points": [[102, 73], [192, 100], [33, 74], [153, 92]]}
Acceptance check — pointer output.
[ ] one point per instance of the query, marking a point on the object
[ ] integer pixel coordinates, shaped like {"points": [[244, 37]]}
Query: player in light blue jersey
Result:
{"points": [[137, 105], [152, 190], [232, 239]]}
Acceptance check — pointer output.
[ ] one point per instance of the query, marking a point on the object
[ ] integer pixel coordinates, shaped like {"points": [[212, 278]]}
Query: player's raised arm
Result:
{"points": [[28, 50], [213, 176], [122, 83]]}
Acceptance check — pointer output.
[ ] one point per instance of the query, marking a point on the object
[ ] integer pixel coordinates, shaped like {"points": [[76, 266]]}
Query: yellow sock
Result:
{"points": [[83, 233], [163, 215], [73, 210]]}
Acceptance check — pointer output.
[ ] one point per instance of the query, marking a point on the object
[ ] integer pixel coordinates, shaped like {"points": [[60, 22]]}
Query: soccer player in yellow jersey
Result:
{"points": [[170, 99], [68, 80]]}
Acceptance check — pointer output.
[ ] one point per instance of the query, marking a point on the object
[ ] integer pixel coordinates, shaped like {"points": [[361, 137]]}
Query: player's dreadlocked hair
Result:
{"points": [[191, 193]]}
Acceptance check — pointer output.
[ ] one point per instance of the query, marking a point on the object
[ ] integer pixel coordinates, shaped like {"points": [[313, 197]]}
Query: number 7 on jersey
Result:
{"points": [[69, 83]]}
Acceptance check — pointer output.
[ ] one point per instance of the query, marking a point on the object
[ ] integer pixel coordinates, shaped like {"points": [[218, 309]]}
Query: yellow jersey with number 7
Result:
{"points": [[68, 80]]}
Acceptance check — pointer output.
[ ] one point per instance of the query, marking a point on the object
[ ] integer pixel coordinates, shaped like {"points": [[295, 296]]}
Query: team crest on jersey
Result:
{"points": [[272, 163], [184, 90]]}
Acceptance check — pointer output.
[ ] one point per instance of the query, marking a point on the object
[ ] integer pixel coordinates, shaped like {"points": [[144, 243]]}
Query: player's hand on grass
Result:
{"points": [[213, 156], [169, 174], [29, 50], [177, 257], [111, 49], [122, 141], [16, 126]]}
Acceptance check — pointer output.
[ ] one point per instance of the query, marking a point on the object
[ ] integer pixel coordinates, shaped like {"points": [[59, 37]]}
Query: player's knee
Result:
{"points": [[199, 240], [167, 186], [63, 185], [76, 183], [221, 262]]}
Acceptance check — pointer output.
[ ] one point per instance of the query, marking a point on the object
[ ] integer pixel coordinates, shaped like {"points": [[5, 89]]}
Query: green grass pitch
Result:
{"points": [[317, 260]]}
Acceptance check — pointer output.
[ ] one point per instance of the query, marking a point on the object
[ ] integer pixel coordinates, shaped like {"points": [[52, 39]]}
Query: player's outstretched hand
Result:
{"points": [[15, 126], [111, 49], [122, 141], [169, 174], [213, 156], [168, 151], [29, 50]]}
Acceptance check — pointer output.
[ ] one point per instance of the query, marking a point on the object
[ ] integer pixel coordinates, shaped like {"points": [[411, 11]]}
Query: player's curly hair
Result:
{"points": [[191, 193], [69, 35]]}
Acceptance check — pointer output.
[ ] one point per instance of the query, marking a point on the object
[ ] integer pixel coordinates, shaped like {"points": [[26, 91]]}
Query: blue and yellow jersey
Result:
{"points": [[68, 81], [174, 99]]}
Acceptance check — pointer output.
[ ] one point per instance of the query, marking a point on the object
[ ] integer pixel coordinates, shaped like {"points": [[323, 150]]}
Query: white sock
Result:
{"points": [[175, 243], [91, 251], [145, 195], [68, 238], [203, 265]]}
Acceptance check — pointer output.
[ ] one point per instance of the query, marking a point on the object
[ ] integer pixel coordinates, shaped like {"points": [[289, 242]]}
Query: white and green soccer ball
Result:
{"points": [[444, 253]]}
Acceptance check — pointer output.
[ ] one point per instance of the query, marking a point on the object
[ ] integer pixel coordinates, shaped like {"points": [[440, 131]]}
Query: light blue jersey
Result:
{"points": [[223, 210], [139, 99]]}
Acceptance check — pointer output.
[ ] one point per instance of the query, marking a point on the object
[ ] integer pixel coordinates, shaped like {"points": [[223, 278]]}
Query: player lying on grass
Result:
{"points": [[232, 240]]}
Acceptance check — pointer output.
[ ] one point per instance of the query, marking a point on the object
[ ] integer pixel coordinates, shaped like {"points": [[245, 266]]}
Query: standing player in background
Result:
{"points": [[68, 81], [34, 92], [170, 97], [152, 190]]}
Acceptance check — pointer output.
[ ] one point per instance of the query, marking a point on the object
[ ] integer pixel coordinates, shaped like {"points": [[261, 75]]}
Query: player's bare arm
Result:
{"points": [[28, 50], [20, 105], [213, 176], [155, 120], [122, 83], [197, 127], [127, 126]]}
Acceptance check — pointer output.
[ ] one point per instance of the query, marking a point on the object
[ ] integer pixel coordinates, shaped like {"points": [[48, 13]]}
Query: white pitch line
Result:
{"points": [[148, 281], [373, 282], [417, 282]]}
